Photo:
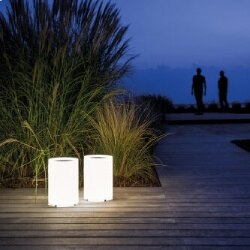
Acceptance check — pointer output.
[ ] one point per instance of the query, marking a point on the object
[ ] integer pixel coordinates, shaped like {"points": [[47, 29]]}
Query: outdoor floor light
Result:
{"points": [[98, 178], [63, 183]]}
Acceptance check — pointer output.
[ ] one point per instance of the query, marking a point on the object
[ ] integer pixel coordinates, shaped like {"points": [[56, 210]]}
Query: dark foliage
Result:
{"points": [[244, 144], [86, 29]]}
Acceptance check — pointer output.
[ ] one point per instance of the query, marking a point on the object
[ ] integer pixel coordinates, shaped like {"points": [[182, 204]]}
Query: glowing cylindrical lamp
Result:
{"points": [[98, 178], [63, 181]]}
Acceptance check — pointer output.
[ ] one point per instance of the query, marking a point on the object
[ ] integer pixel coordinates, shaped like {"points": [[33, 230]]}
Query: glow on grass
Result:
{"points": [[63, 181], [98, 178]]}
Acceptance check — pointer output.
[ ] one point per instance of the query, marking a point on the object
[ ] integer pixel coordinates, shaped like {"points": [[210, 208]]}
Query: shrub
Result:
{"points": [[247, 107], [191, 108], [123, 131], [236, 107], [59, 62], [158, 103], [212, 107]]}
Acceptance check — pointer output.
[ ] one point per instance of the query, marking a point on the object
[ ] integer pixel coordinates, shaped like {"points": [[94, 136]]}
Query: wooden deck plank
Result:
{"points": [[33, 211], [191, 227], [107, 247], [125, 220], [97, 241], [100, 233], [178, 205], [168, 200], [140, 214], [128, 241]]}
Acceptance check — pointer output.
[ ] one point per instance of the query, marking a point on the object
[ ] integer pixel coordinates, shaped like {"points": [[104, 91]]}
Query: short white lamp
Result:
{"points": [[98, 178], [63, 181]]}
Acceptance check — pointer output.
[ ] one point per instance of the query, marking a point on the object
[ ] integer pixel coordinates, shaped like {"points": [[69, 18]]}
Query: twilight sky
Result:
{"points": [[174, 37], [183, 33]]}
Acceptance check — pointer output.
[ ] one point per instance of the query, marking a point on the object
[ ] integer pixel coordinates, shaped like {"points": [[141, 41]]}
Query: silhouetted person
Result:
{"points": [[223, 87], [198, 86]]}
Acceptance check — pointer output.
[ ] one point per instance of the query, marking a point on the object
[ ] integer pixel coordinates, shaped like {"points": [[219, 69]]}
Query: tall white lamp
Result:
{"points": [[63, 181], [98, 178]]}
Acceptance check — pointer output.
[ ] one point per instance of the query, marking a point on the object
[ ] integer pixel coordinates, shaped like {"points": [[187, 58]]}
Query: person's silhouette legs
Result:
{"points": [[199, 102], [223, 101]]}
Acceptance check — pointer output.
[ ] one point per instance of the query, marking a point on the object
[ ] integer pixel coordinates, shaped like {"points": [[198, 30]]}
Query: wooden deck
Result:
{"points": [[136, 217], [204, 203], [209, 179]]}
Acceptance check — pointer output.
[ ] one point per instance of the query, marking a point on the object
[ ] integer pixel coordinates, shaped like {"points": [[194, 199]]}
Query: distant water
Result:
{"points": [[176, 83]]}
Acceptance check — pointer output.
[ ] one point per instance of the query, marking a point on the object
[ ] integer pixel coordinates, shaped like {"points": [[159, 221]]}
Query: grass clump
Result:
{"points": [[45, 120], [60, 61], [59, 67], [122, 130]]}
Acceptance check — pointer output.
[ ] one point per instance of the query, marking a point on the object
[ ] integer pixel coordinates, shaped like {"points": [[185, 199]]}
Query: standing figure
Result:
{"points": [[223, 86], [199, 81]]}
